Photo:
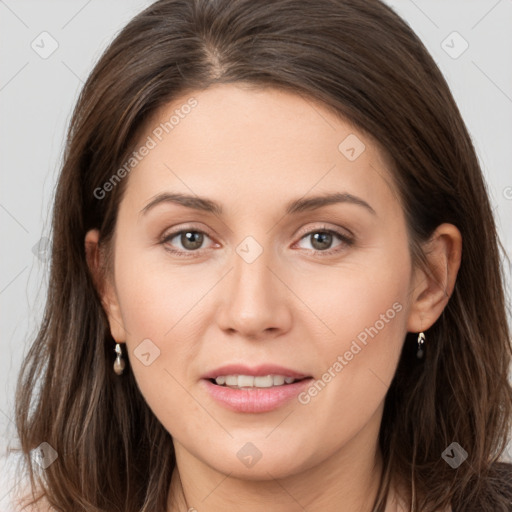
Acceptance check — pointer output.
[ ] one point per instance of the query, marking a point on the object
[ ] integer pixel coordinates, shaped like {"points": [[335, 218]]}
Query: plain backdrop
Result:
{"points": [[38, 91]]}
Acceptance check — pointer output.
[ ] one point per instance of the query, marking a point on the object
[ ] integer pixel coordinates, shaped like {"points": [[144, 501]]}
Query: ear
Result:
{"points": [[431, 289], [104, 285]]}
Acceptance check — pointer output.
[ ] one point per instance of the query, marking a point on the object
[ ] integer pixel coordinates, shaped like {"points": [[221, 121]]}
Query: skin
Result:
{"points": [[253, 151]]}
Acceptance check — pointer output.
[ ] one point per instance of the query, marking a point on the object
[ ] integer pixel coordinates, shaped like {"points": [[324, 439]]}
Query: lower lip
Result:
{"points": [[255, 400]]}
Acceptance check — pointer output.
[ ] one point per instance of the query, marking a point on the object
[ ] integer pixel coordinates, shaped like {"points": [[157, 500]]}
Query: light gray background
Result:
{"points": [[37, 95]]}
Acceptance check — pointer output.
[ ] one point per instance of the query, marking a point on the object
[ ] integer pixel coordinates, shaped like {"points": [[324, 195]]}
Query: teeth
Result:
{"points": [[262, 382], [278, 380], [244, 381], [231, 380], [248, 381]]}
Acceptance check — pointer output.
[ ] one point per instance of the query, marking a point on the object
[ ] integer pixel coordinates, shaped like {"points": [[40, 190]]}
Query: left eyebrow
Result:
{"points": [[312, 203], [295, 206]]}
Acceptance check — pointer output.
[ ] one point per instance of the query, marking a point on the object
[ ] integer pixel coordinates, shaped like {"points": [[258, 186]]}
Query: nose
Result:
{"points": [[255, 299]]}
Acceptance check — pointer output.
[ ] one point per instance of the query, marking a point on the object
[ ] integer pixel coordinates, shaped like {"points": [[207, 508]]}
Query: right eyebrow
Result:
{"points": [[195, 202]]}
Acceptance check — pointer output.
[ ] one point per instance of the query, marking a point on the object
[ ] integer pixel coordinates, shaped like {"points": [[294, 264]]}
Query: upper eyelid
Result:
{"points": [[324, 227], [301, 234], [174, 231]]}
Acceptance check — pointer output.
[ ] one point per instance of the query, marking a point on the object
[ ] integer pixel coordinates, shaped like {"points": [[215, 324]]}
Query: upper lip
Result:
{"points": [[256, 371]]}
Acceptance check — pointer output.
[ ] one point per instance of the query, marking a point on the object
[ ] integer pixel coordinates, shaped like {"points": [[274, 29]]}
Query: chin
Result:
{"points": [[244, 466]]}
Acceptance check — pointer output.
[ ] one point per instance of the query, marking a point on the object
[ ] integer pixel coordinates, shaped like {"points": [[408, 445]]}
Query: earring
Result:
{"points": [[119, 364], [421, 341]]}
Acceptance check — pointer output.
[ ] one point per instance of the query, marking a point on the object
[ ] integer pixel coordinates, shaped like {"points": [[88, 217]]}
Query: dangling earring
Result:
{"points": [[119, 364], [421, 341]]}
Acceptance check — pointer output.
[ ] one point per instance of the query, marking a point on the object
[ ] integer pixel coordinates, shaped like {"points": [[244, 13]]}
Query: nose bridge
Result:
{"points": [[252, 277], [254, 300]]}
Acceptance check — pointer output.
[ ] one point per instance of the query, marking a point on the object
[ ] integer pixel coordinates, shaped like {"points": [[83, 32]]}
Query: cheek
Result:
{"points": [[362, 299], [158, 307], [155, 297], [365, 308]]}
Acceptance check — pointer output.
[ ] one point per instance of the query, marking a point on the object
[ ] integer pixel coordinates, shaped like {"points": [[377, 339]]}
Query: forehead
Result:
{"points": [[252, 145]]}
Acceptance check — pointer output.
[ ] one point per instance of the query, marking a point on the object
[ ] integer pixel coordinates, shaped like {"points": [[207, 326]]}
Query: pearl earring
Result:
{"points": [[421, 341], [119, 363]]}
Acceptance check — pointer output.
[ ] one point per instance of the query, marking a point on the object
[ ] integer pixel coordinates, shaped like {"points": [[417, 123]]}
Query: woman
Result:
{"points": [[275, 276]]}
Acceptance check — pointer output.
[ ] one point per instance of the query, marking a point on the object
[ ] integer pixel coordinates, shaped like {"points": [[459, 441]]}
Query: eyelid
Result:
{"points": [[346, 239], [324, 227], [170, 233]]}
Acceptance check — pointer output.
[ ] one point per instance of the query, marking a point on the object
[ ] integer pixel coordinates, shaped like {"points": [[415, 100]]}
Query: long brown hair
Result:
{"points": [[365, 64]]}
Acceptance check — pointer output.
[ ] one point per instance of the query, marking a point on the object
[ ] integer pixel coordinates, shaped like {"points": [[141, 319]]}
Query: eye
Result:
{"points": [[191, 241], [322, 240]]}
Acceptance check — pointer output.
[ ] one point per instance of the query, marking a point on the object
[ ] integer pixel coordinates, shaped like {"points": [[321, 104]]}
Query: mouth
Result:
{"points": [[259, 389], [254, 382]]}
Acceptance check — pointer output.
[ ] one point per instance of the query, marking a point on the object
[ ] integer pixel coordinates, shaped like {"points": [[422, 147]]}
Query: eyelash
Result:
{"points": [[346, 240]]}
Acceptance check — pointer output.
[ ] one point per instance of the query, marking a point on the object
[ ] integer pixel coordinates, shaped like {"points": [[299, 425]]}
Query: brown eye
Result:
{"points": [[321, 241], [189, 239]]}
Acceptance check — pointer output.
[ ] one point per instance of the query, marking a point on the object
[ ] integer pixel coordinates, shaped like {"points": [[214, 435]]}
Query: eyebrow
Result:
{"points": [[295, 206]]}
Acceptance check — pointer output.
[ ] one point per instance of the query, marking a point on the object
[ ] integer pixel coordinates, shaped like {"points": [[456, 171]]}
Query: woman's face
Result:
{"points": [[269, 281]]}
